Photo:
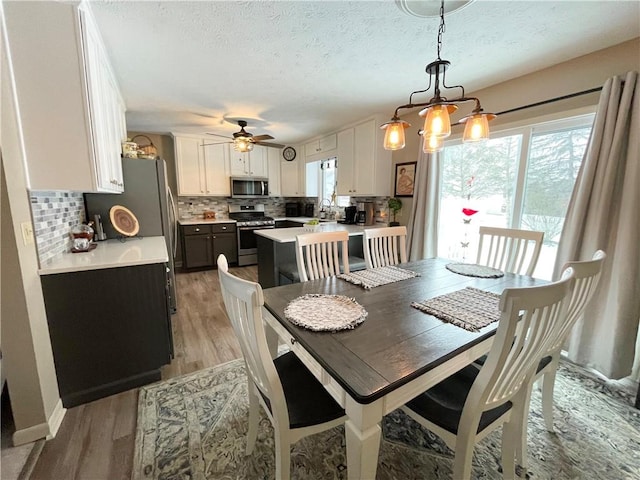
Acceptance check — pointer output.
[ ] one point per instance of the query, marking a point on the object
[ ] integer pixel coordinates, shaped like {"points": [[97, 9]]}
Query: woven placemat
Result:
{"points": [[376, 277], [325, 313], [474, 270], [469, 308]]}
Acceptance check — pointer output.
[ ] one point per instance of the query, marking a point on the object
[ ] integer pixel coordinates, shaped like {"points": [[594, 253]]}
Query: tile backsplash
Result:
{"points": [[54, 215]]}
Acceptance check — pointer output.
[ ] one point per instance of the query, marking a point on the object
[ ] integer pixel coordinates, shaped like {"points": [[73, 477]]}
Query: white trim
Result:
{"points": [[46, 430]]}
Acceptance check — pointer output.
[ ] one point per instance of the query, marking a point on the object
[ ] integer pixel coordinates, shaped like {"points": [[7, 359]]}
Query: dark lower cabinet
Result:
{"points": [[201, 244], [110, 329]]}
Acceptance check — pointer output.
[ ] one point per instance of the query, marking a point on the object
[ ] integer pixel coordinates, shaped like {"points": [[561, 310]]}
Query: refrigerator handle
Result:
{"points": [[174, 233]]}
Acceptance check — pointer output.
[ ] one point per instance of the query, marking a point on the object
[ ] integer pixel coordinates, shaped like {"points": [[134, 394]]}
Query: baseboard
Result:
{"points": [[46, 430]]}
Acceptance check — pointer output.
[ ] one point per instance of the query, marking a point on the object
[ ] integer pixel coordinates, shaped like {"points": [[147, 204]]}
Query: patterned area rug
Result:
{"points": [[194, 427]]}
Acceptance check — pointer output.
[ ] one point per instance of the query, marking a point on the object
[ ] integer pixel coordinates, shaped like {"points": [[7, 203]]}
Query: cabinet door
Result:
{"points": [[273, 157], [290, 179], [345, 183], [239, 163], [198, 251], [258, 162], [189, 165], [364, 150], [216, 170], [226, 244]]}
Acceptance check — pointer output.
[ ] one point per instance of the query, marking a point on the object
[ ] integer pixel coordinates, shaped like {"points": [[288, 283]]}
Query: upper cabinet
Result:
{"points": [[274, 156], [72, 114], [320, 148], [364, 165], [250, 164], [201, 169]]}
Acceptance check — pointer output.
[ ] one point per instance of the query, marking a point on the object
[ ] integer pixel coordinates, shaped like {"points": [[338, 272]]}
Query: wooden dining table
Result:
{"points": [[397, 353]]}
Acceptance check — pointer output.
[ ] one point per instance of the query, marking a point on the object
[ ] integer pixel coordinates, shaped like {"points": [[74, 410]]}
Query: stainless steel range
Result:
{"points": [[249, 218]]}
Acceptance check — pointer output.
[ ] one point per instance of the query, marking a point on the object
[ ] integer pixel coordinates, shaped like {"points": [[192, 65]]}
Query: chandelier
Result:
{"points": [[437, 124]]}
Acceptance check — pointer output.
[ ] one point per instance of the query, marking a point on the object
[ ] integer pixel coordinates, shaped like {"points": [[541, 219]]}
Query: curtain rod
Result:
{"points": [[551, 100]]}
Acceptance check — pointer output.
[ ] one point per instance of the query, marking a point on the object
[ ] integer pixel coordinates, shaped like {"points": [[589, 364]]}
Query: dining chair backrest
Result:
{"points": [[530, 320], [385, 246], [321, 254], [510, 250], [587, 276], [243, 301]]}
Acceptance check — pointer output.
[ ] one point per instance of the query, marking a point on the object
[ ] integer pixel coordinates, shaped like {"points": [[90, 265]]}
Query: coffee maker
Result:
{"points": [[365, 213], [350, 214]]}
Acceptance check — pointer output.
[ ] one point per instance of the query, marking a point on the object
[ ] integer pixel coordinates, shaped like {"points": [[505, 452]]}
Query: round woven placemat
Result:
{"points": [[325, 313], [474, 270]]}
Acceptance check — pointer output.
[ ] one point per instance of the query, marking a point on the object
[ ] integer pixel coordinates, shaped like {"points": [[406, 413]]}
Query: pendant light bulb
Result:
{"points": [[437, 121], [432, 143], [394, 138], [476, 128]]}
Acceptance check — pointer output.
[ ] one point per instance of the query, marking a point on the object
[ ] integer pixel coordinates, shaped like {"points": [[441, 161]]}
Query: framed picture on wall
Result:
{"points": [[405, 178]]}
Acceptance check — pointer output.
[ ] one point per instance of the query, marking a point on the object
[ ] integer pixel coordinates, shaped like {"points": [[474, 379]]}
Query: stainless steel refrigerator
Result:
{"points": [[148, 196]]}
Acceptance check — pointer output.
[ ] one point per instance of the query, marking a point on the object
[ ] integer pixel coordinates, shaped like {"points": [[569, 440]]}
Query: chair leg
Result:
{"points": [[283, 458], [548, 383], [254, 417], [522, 419], [463, 457], [510, 431]]}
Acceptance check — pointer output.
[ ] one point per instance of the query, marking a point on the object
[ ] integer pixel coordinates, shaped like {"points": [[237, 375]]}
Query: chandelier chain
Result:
{"points": [[441, 29]]}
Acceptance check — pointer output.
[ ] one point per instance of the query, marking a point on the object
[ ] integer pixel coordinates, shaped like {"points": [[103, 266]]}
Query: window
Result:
{"points": [[322, 177], [518, 179]]}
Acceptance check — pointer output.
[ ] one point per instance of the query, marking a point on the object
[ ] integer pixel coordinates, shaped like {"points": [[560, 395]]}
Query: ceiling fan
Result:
{"points": [[244, 141]]}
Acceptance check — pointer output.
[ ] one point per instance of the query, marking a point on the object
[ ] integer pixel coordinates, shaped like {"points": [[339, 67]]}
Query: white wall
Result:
{"points": [[28, 358]]}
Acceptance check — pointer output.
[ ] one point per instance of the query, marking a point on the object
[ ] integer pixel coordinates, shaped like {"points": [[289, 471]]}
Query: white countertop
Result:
{"points": [[202, 221], [285, 235], [304, 219], [111, 254]]}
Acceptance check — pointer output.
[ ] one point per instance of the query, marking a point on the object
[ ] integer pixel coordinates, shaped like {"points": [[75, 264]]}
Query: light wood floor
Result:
{"points": [[96, 440]]}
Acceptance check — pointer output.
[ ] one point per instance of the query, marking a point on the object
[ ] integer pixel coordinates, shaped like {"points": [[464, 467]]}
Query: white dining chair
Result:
{"points": [[473, 402], [295, 401], [586, 276], [510, 250], [385, 246], [322, 254]]}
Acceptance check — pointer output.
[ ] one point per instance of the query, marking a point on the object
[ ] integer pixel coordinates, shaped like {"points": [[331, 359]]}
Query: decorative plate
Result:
{"points": [[124, 221]]}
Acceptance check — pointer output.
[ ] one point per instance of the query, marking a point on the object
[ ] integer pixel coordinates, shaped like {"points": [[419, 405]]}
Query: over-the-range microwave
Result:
{"points": [[249, 187]]}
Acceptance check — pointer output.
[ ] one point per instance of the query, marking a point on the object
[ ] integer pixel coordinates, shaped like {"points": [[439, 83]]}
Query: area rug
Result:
{"points": [[195, 426]]}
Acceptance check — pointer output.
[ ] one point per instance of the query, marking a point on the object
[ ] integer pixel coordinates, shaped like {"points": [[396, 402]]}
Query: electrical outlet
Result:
{"points": [[27, 233]]}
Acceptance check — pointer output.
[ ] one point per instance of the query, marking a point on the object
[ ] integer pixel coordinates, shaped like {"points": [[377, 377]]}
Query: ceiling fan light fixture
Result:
{"points": [[242, 144], [437, 122]]}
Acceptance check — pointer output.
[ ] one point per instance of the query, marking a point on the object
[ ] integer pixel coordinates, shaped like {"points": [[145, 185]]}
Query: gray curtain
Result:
{"points": [[422, 227], [604, 214]]}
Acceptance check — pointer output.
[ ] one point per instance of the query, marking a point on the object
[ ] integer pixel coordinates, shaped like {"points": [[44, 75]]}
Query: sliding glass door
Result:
{"points": [[519, 179]]}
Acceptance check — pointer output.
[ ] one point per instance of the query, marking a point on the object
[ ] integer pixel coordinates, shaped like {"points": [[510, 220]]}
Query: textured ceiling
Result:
{"points": [[298, 69]]}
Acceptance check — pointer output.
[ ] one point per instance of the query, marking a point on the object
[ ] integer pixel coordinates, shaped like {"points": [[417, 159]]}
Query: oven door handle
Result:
{"points": [[262, 227]]}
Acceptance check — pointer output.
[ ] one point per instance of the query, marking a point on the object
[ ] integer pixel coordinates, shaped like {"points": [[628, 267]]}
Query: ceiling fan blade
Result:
{"points": [[274, 145], [259, 138], [216, 135], [217, 143]]}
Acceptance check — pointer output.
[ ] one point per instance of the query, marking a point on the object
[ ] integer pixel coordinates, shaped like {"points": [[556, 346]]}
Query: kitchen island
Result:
{"points": [[109, 318], [277, 251]]}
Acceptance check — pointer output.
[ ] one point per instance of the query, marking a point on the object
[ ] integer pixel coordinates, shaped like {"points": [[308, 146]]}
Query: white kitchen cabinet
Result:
{"points": [[274, 156], [364, 167], [292, 178], [71, 109], [320, 146], [250, 164], [201, 169]]}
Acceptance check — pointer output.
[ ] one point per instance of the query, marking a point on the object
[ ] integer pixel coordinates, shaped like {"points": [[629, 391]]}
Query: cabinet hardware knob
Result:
{"points": [[224, 228], [197, 229], [293, 341]]}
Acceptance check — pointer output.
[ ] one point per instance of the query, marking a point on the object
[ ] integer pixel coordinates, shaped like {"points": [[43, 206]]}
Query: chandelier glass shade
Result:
{"points": [[437, 122]]}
